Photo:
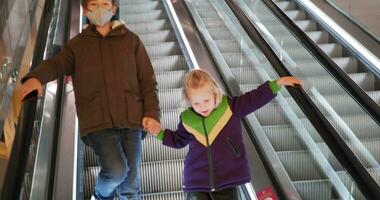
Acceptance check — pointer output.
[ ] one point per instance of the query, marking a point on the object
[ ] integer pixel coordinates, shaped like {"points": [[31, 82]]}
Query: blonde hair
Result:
{"points": [[198, 78]]}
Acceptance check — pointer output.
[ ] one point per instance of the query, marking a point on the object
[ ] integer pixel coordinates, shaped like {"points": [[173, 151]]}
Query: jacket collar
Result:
{"points": [[213, 123], [117, 29]]}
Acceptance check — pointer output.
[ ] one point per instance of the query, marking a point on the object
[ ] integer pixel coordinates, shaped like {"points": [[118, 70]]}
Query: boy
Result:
{"points": [[115, 92]]}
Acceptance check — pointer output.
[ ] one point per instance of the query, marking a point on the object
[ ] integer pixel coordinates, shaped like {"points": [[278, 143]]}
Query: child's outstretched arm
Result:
{"points": [[255, 99]]}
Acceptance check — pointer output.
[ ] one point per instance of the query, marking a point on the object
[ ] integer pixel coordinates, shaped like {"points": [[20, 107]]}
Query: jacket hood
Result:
{"points": [[117, 29]]}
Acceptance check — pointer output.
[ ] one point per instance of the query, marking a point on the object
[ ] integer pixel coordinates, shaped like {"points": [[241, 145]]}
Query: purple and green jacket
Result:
{"points": [[217, 159]]}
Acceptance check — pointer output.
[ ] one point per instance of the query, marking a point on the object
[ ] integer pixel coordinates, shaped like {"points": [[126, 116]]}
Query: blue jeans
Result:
{"points": [[119, 155]]}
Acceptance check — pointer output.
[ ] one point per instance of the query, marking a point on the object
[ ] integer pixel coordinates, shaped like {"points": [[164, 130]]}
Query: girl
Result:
{"points": [[216, 162]]}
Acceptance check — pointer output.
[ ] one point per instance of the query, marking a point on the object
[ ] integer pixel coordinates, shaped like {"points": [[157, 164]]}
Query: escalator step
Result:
{"points": [[151, 26], [178, 195], [169, 63], [314, 189], [143, 17], [163, 49], [300, 165], [172, 79], [157, 37], [139, 8]]}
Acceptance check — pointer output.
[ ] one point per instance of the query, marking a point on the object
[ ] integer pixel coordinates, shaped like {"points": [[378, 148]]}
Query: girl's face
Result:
{"points": [[202, 100]]}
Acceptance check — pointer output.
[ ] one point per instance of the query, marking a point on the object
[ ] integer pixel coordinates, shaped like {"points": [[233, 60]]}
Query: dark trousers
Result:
{"points": [[226, 194]]}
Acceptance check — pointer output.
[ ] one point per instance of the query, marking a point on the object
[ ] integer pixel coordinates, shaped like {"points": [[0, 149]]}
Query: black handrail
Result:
{"points": [[365, 182], [20, 149], [357, 93]]}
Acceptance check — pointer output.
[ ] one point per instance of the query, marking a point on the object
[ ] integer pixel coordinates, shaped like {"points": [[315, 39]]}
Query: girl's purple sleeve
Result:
{"points": [[252, 100], [175, 139]]}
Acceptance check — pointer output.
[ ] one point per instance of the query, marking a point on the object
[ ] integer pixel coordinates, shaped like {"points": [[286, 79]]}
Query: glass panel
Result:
{"points": [[353, 123], [365, 13], [312, 168], [18, 31]]}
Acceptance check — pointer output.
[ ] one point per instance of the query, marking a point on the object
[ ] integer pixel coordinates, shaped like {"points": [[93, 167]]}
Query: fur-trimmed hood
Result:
{"points": [[117, 28]]}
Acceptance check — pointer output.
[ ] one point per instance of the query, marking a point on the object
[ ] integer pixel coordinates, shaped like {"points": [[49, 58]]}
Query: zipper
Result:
{"points": [[209, 156], [105, 81]]}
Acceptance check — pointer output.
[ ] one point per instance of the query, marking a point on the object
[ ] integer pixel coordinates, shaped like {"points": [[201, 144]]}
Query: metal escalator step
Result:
{"points": [[271, 115], [306, 25], [348, 64], [313, 68], [284, 138], [292, 49], [139, 8], [365, 80], [333, 50], [151, 26], [169, 63], [340, 103], [249, 75], [163, 49], [154, 150], [361, 125], [143, 17], [319, 36], [375, 95], [156, 177], [170, 98], [300, 165], [170, 118], [286, 5], [314, 189], [157, 37], [162, 176], [296, 14], [372, 145], [171, 79], [177, 195], [133, 2]]}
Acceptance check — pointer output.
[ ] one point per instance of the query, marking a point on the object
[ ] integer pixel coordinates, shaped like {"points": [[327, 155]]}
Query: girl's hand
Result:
{"points": [[288, 81], [151, 125]]}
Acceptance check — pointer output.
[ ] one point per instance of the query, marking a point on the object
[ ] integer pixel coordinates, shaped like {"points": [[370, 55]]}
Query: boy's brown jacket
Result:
{"points": [[113, 78]]}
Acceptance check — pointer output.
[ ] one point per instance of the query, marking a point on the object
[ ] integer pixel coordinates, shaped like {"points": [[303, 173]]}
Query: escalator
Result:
{"points": [[313, 170], [304, 159]]}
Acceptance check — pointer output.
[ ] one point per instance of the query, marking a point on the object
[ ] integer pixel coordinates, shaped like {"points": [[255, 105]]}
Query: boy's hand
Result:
{"points": [[289, 81], [29, 86], [151, 125]]}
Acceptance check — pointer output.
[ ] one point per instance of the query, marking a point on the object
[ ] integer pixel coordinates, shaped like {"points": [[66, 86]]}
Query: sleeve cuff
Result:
{"points": [[274, 87], [160, 135]]}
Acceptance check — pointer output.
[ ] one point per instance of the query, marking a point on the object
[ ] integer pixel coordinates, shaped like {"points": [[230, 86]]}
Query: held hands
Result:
{"points": [[29, 86], [288, 81], [151, 125]]}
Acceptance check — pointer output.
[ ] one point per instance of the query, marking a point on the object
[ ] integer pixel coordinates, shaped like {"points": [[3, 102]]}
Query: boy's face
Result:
{"points": [[94, 4]]}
